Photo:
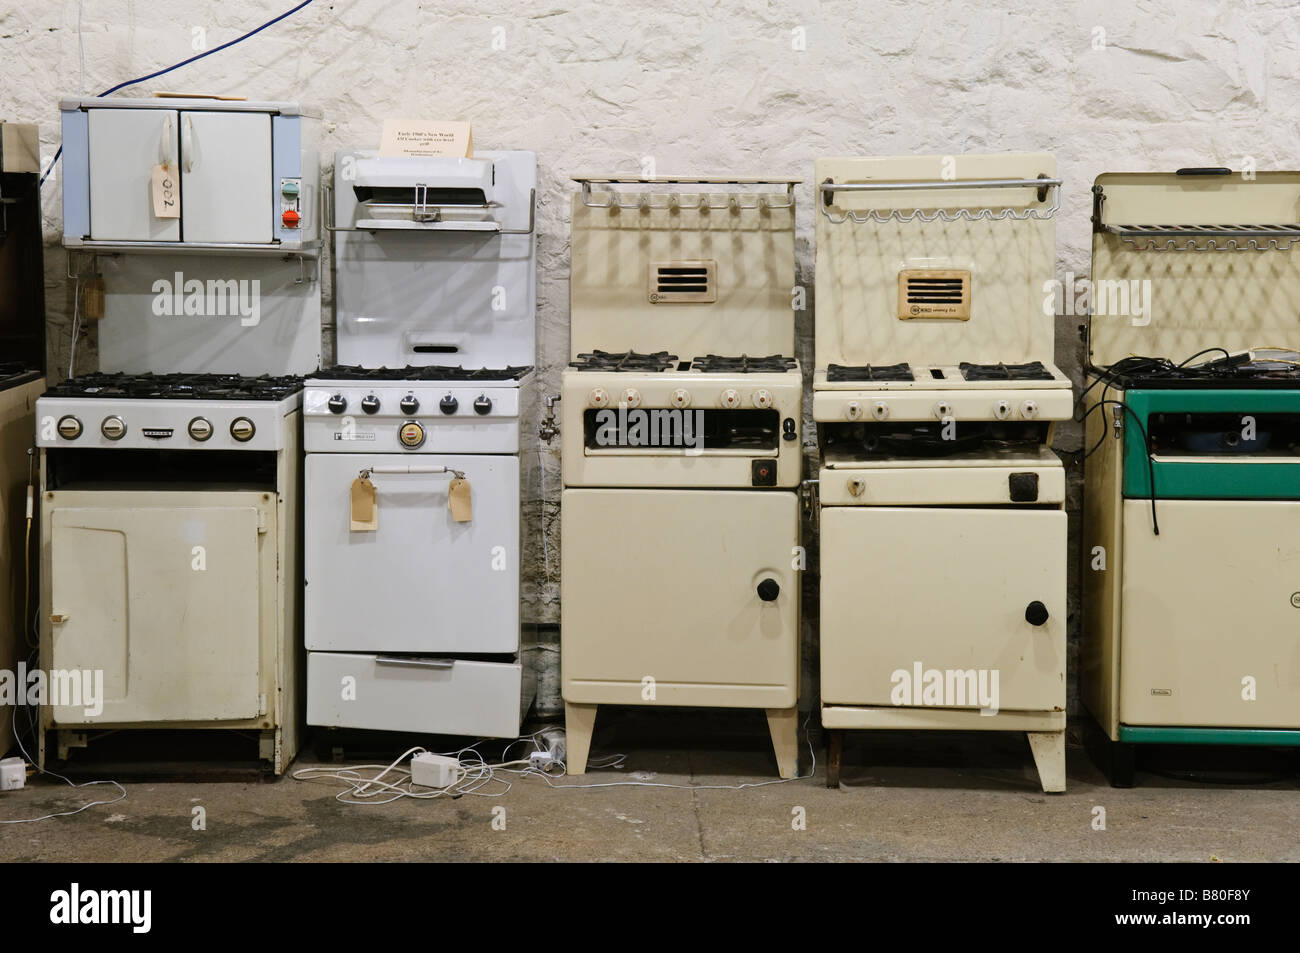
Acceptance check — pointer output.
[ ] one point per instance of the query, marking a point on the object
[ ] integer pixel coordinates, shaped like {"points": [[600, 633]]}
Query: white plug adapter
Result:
{"points": [[13, 774], [434, 770]]}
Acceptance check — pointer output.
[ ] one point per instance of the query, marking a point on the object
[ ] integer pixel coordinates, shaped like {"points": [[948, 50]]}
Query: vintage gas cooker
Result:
{"points": [[1193, 475], [682, 454], [170, 512], [942, 523], [436, 279]]}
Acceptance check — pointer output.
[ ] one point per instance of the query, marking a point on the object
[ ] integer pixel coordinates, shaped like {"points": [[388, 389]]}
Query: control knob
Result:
{"points": [[370, 404], [1002, 410], [681, 397], [114, 428], [599, 397], [631, 397], [1036, 613], [943, 409], [337, 404], [730, 398], [880, 410], [1029, 409], [409, 405], [448, 404], [762, 398], [853, 410], [482, 404], [768, 590], [69, 427]]}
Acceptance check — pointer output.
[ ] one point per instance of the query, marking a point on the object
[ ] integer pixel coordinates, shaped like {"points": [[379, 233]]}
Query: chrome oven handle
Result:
{"points": [[408, 662], [365, 473]]}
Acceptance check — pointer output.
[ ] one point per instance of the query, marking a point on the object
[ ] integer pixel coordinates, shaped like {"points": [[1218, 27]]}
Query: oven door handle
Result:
{"points": [[365, 474], [408, 662]]}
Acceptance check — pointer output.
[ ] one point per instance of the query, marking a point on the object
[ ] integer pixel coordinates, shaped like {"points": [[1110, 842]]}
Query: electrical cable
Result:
{"points": [[175, 66]]}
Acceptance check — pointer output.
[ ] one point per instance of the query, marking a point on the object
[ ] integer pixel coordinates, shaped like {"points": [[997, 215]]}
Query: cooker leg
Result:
{"points": [[834, 755], [1122, 764], [1048, 748], [783, 723], [579, 722]]}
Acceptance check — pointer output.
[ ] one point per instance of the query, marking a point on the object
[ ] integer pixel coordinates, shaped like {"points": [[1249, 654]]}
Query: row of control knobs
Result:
{"points": [[681, 397], [409, 405], [114, 428], [1002, 410]]}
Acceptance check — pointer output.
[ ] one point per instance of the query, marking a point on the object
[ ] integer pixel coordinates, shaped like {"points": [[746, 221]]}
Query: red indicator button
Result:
{"points": [[290, 218]]}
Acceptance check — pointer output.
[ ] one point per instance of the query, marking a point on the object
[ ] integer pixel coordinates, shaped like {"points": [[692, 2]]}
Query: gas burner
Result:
{"points": [[713, 364], [430, 372], [868, 372], [1033, 371], [178, 387], [624, 361]]}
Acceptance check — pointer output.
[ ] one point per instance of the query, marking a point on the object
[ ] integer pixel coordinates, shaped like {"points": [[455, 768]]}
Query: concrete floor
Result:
{"points": [[904, 797]]}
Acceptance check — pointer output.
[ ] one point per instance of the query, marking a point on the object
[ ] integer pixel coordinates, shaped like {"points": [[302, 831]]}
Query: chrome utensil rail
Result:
{"points": [[1046, 187], [428, 216]]}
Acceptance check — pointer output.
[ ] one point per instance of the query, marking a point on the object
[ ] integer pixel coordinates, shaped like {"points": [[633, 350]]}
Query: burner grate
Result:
{"points": [[624, 361], [744, 364], [177, 386], [1033, 371], [869, 372], [427, 372]]}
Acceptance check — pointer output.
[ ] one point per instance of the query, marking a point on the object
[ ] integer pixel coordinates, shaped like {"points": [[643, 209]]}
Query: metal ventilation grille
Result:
{"points": [[672, 281], [925, 293]]}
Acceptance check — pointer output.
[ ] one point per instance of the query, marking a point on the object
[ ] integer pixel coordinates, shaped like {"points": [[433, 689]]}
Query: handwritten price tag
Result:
{"points": [[166, 192]]}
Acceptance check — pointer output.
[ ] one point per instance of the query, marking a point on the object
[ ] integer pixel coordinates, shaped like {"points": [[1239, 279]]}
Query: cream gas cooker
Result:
{"points": [[681, 515], [942, 522]]}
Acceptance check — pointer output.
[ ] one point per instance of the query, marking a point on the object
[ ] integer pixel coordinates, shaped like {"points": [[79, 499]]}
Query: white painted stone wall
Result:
{"points": [[744, 87]]}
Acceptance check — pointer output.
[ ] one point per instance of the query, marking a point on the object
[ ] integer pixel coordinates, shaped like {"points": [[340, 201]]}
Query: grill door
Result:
{"points": [[226, 177], [125, 145], [1212, 600], [174, 642], [945, 587]]}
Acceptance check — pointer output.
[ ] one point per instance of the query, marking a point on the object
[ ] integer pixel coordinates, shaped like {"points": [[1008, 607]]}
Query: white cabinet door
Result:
{"points": [[175, 639], [421, 582], [1210, 614], [680, 597], [125, 145], [226, 186], [945, 588]]}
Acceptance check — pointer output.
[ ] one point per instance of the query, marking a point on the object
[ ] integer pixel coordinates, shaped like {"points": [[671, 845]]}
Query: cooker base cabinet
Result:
{"points": [[945, 618], [680, 598]]}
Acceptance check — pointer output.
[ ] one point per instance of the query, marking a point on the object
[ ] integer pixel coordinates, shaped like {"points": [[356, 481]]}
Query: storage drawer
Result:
{"points": [[396, 693]]}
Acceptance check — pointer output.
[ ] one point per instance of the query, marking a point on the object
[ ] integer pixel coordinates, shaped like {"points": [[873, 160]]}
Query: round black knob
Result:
{"points": [[409, 404], [448, 404], [337, 404], [768, 590], [370, 404], [1035, 613], [482, 404]]}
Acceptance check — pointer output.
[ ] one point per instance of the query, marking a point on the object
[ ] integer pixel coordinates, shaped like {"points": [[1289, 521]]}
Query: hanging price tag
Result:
{"points": [[458, 500], [166, 192], [365, 507]]}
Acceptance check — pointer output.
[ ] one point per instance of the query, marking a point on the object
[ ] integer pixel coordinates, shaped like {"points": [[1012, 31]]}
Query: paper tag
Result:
{"points": [[365, 508], [166, 193], [92, 298], [458, 500], [426, 138]]}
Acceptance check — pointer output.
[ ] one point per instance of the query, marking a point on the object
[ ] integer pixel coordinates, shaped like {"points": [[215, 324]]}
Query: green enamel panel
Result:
{"points": [[1145, 734], [1230, 480]]}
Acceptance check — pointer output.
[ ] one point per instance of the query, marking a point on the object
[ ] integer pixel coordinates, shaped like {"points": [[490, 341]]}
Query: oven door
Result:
{"points": [[167, 594], [680, 597], [1210, 614], [944, 589], [421, 582]]}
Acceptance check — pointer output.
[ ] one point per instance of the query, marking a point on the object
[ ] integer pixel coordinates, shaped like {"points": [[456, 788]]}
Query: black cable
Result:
{"points": [[1146, 440], [176, 66], [1226, 355]]}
